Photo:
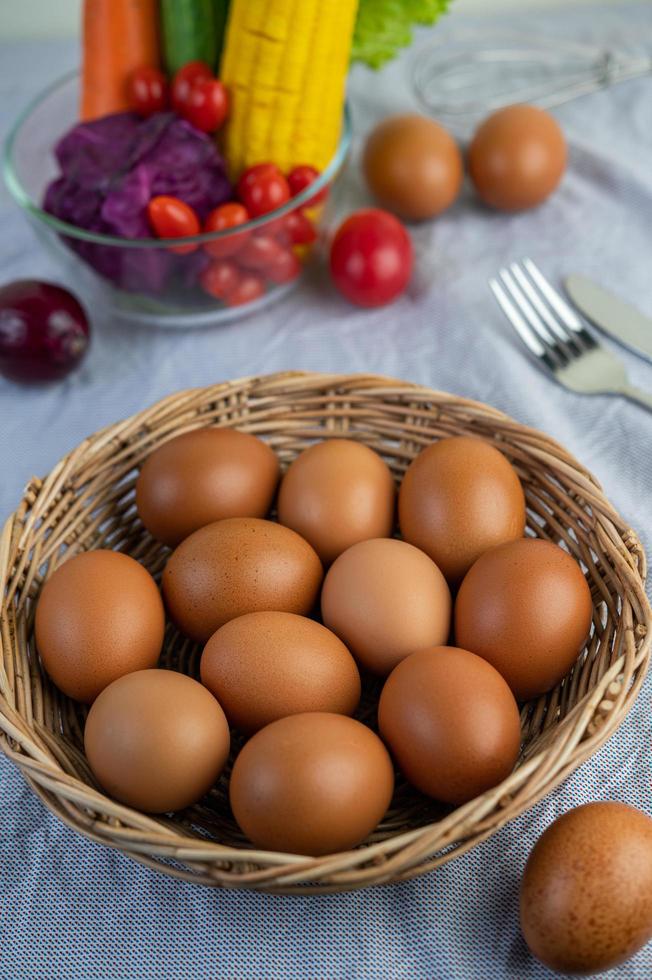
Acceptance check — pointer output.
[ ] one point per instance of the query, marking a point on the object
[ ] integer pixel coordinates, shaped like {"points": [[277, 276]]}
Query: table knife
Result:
{"points": [[612, 315]]}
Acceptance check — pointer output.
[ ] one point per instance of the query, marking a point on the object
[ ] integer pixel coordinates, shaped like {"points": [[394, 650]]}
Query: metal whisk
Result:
{"points": [[461, 78]]}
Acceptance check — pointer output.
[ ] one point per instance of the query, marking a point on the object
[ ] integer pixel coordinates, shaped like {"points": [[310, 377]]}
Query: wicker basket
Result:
{"points": [[87, 502]]}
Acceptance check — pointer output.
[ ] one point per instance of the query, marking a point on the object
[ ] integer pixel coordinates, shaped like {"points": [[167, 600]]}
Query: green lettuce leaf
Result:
{"points": [[384, 26]]}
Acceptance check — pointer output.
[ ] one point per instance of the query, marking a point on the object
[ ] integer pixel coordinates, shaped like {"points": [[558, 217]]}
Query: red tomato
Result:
{"points": [[299, 229], [148, 91], [220, 278], [171, 218], [303, 176], [226, 216], [249, 288], [207, 105], [184, 79], [276, 228], [260, 252], [262, 189], [284, 269], [252, 174], [371, 258]]}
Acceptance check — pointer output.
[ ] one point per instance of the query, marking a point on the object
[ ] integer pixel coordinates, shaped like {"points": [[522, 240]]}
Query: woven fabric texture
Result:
{"points": [[71, 910]]}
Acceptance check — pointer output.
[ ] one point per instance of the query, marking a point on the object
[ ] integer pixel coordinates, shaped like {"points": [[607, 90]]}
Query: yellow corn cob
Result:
{"points": [[285, 64]]}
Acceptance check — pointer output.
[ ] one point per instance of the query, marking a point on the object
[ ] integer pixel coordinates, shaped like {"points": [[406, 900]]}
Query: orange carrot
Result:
{"points": [[118, 37]]}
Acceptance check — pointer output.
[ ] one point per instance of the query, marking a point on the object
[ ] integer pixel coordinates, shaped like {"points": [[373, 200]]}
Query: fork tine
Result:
{"points": [[538, 304], [561, 308], [530, 339], [559, 305], [533, 319]]}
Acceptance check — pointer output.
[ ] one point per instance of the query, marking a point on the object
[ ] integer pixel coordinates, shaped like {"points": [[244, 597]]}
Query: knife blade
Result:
{"points": [[617, 318]]}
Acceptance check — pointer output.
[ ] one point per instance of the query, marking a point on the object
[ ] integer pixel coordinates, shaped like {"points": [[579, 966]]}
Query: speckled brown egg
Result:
{"points": [[204, 476], [451, 722], [237, 566], [517, 157], [460, 497], [385, 599], [156, 740], [525, 607], [413, 166], [311, 784], [337, 493], [586, 895], [267, 665], [99, 616]]}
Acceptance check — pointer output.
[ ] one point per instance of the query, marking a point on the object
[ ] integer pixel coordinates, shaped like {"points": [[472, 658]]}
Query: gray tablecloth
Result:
{"points": [[70, 909]]}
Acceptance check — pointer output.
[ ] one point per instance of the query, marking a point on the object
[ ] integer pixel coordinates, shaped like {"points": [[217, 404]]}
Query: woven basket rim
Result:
{"points": [[151, 839]]}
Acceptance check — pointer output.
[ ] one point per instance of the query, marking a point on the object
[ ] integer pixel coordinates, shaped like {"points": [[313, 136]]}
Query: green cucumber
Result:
{"points": [[221, 15], [189, 33]]}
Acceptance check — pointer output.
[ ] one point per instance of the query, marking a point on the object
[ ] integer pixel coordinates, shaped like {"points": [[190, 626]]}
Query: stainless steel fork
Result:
{"points": [[557, 337]]}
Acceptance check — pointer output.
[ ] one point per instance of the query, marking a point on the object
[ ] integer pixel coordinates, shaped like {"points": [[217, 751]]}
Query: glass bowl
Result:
{"points": [[146, 280]]}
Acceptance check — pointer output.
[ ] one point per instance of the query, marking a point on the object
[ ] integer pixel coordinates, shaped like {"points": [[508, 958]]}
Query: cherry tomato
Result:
{"points": [[249, 288], [303, 176], [171, 218], [260, 252], [148, 91], [371, 258], [207, 105], [220, 278], [299, 229], [184, 79], [284, 269], [276, 228], [226, 216], [249, 176], [262, 189]]}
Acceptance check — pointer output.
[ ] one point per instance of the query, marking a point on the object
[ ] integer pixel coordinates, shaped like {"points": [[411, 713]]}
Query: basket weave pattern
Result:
{"points": [[87, 501]]}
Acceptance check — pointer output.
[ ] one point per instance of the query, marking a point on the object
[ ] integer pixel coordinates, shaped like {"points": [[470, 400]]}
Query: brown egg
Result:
{"points": [[413, 166], [204, 476], [267, 665], [451, 722], [459, 498], [337, 493], [311, 784], [237, 566], [517, 157], [156, 740], [586, 895], [525, 607], [385, 599], [98, 617]]}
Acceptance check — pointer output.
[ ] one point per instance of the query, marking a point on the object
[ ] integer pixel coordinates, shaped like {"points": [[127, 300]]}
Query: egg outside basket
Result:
{"points": [[87, 502]]}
